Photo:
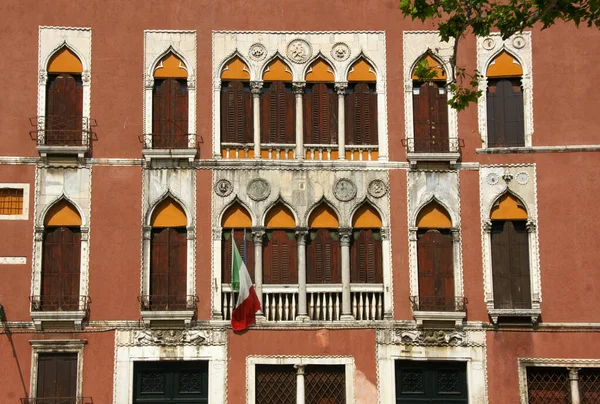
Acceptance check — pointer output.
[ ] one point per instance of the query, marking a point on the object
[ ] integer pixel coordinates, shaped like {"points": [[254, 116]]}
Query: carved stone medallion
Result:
{"points": [[340, 52], [258, 189], [492, 178], [522, 178], [223, 188], [344, 190], [299, 51], [488, 43], [377, 188], [257, 52], [518, 42]]}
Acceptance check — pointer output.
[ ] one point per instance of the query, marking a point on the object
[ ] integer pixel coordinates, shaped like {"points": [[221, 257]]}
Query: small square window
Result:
{"points": [[14, 201]]}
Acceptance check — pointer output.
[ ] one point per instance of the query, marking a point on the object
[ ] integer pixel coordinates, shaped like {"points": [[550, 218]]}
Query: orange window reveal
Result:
{"points": [[64, 61], [62, 214], [323, 217], [11, 201], [236, 217], [434, 216], [168, 214], [508, 208], [280, 217]]}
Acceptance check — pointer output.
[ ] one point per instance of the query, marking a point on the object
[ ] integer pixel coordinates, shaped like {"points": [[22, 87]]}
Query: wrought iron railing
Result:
{"points": [[436, 303], [59, 303], [62, 130], [167, 141], [430, 145], [167, 303], [58, 400]]}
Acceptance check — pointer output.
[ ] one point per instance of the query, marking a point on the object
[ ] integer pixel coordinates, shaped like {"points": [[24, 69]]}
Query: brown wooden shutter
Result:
{"points": [[430, 117], [159, 264], [64, 109], [361, 115], [170, 113], [236, 113], [56, 375], [278, 114], [280, 258], [506, 124], [436, 270], [510, 265], [178, 266], [323, 257], [168, 269], [226, 252], [61, 268], [320, 114], [366, 257]]}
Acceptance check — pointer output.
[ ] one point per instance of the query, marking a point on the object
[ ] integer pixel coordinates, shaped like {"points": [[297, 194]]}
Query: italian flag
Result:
{"points": [[247, 302]]}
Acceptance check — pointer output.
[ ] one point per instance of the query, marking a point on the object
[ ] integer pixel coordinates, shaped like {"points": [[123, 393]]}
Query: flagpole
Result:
{"points": [[245, 257]]}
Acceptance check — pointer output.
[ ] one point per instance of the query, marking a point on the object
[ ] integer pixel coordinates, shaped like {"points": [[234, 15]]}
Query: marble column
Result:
{"points": [[299, 384], [258, 233], [298, 88], [574, 382], [340, 88], [256, 89], [345, 235], [302, 315]]}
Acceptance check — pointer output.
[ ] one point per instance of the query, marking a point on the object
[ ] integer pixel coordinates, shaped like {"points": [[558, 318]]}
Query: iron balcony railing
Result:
{"points": [[167, 303], [436, 303], [59, 303], [431, 145], [58, 400], [63, 130], [167, 141]]}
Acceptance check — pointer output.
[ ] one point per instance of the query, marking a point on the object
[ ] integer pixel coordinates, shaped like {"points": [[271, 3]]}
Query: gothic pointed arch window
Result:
{"points": [[168, 258], [64, 100], [323, 262], [510, 254], [170, 104], [237, 227], [430, 109], [277, 106], [236, 105], [361, 106], [61, 260], [504, 97], [320, 105], [280, 247], [435, 260], [366, 262]]}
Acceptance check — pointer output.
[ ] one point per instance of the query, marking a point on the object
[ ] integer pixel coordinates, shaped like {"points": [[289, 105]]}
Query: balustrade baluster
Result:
{"points": [[286, 312], [318, 306], [338, 307], [379, 306], [293, 307], [360, 306], [354, 306], [311, 307]]}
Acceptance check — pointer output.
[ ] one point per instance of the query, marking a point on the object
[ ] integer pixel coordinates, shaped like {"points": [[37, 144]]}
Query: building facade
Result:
{"points": [[402, 251]]}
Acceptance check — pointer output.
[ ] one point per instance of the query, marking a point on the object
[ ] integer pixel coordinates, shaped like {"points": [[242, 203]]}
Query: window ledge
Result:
{"points": [[189, 154], [436, 316], [156, 317], [450, 157], [539, 149], [63, 154], [58, 318], [534, 314]]}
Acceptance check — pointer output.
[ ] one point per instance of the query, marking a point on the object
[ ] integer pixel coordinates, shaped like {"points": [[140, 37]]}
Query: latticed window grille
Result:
{"points": [[548, 385], [276, 384], [325, 384], [589, 385], [11, 201]]}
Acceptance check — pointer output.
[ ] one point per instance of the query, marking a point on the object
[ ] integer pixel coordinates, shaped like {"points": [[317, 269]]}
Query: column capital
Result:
{"points": [[345, 234], [191, 232], [455, 231], [299, 369], [298, 87], [258, 234], [146, 232], [301, 233], [385, 233], [217, 233], [256, 87], [340, 87], [573, 373], [531, 226], [412, 233], [487, 226]]}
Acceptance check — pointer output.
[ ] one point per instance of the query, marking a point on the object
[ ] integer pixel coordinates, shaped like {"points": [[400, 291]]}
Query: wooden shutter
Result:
{"points": [[436, 270], [278, 114], [361, 115], [366, 257], [248, 254], [430, 117], [506, 125], [168, 268], [56, 375], [170, 113], [323, 257], [510, 265], [177, 283], [280, 258], [64, 110], [236, 113], [320, 114], [61, 268]]}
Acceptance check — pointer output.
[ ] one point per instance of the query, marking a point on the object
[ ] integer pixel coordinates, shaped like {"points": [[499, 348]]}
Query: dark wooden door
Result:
{"points": [[431, 382], [506, 125], [323, 264], [170, 113], [278, 120], [245, 247], [61, 257], [56, 377], [366, 257], [64, 110], [170, 382], [280, 257], [168, 269], [436, 270], [430, 117], [236, 113], [510, 265], [361, 115], [320, 114]]}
